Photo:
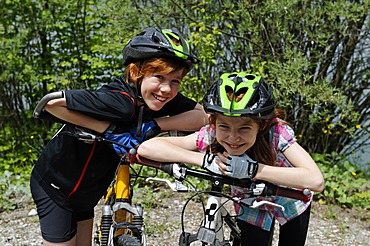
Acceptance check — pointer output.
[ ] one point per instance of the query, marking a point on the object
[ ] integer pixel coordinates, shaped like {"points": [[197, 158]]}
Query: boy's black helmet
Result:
{"points": [[157, 43], [240, 94]]}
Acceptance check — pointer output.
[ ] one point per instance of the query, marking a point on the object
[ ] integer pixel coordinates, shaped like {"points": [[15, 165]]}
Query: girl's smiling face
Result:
{"points": [[236, 134], [157, 89]]}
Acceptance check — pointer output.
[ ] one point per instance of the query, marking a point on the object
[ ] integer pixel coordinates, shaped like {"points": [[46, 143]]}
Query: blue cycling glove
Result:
{"points": [[125, 139], [148, 130], [130, 140]]}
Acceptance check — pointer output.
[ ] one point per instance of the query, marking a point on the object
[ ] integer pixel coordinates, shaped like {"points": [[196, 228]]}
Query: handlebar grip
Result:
{"points": [[304, 195], [48, 97], [166, 167]]}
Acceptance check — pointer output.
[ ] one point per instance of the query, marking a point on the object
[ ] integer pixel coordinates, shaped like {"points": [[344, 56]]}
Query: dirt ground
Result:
{"points": [[329, 225]]}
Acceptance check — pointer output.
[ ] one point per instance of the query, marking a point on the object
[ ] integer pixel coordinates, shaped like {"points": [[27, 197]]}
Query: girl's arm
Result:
{"points": [[305, 173], [191, 120], [172, 149], [58, 108]]}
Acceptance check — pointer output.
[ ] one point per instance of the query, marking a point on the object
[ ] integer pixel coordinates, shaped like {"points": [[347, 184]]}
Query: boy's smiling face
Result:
{"points": [[157, 89]]}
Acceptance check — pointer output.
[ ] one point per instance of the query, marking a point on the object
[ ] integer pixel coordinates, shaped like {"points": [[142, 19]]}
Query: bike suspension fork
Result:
{"points": [[123, 210], [106, 222], [122, 192]]}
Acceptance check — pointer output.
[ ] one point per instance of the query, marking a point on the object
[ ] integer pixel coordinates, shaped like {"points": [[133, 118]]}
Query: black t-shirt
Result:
{"points": [[115, 102], [76, 174]]}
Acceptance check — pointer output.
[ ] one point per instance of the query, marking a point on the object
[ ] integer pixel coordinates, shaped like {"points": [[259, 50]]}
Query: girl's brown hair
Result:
{"points": [[137, 71], [261, 151]]}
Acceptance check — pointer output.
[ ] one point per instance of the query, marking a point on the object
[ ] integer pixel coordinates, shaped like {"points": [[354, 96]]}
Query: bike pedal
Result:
{"points": [[206, 235]]}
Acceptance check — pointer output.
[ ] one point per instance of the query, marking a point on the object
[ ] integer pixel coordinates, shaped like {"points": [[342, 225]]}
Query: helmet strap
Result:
{"points": [[138, 85], [140, 122], [137, 89]]}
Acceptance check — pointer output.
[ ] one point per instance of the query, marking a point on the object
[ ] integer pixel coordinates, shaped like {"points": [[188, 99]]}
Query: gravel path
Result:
{"points": [[346, 227]]}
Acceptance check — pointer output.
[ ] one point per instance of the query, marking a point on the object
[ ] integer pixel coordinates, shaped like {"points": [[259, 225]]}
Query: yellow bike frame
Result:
{"points": [[122, 193]]}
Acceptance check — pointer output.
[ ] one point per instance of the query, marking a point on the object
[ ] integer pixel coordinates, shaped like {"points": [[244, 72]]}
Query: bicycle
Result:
{"points": [[122, 223], [211, 230]]}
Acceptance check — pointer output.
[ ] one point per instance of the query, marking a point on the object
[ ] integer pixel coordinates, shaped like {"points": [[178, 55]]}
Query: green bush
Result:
{"points": [[17, 159], [13, 189], [345, 184]]}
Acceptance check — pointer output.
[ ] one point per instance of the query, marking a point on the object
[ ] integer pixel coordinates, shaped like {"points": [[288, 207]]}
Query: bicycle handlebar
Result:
{"points": [[269, 189], [41, 104]]}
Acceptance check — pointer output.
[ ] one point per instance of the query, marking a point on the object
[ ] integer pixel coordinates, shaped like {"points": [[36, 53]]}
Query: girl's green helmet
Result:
{"points": [[240, 94]]}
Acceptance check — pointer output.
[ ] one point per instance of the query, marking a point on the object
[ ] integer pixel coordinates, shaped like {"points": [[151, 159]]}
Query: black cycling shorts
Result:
{"points": [[57, 224]]}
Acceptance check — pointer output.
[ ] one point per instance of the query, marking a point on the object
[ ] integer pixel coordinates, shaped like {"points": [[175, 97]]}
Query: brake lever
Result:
{"points": [[253, 203], [257, 204], [85, 135], [82, 135], [175, 186]]}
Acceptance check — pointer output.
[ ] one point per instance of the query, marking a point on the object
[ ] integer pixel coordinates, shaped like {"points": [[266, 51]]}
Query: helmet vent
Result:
{"points": [[240, 94], [256, 102], [229, 90], [174, 40], [250, 77], [156, 40], [235, 96]]}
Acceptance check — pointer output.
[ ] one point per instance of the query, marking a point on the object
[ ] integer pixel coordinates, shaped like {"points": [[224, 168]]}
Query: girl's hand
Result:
{"points": [[238, 166], [222, 162], [210, 163]]}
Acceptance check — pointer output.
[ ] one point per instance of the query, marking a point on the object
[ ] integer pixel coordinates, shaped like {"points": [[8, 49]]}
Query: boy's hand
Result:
{"points": [[129, 139], [148, 130], [125, 142]]}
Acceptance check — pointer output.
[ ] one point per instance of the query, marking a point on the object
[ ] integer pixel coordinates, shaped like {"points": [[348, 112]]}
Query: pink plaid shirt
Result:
{"points": [[281, 137]]}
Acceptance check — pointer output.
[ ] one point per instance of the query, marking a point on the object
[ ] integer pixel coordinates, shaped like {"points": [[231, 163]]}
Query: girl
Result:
{"points": [[247, 138], [70, 175]]}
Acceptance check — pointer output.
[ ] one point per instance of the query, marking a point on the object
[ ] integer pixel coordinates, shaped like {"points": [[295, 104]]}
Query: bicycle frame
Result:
{"points": [[211, 231], [119, 217]]}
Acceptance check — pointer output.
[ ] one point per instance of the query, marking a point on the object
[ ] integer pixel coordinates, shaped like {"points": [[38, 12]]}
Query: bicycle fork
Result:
{"points": [[212, 226], [121, 217], [211, 231]]}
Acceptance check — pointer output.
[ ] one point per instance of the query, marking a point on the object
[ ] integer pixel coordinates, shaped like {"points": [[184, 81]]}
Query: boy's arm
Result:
{"points": [[191, 120], [58, 108]]}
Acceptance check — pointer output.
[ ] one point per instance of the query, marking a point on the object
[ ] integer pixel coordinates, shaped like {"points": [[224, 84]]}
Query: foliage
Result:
{"points": [[15, 169], [345, 184], [12, 188], [316, 63], [313, 53]]}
